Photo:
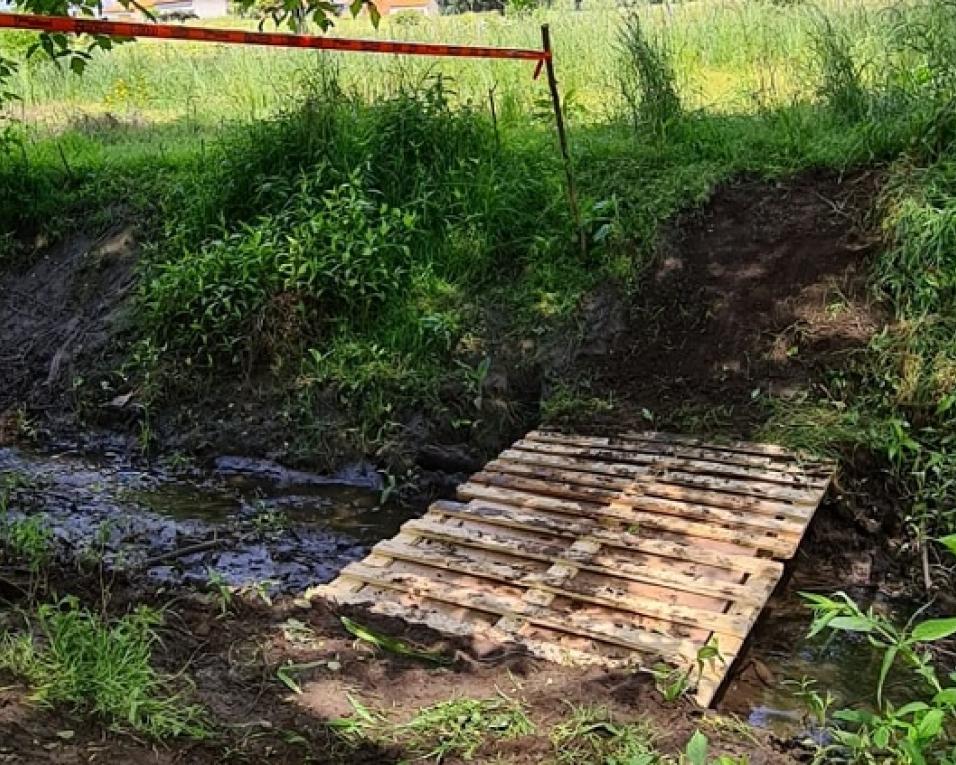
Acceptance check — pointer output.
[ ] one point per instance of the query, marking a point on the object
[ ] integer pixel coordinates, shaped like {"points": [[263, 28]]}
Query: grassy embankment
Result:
{"points": [[361, 231]]}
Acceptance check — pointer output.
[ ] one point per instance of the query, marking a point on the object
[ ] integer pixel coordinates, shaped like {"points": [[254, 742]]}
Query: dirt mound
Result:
{"points": [[62, 306], [752, 296]]}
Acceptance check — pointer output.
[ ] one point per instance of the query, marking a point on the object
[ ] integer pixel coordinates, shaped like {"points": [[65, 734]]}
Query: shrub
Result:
{"points": [[332, 255]]}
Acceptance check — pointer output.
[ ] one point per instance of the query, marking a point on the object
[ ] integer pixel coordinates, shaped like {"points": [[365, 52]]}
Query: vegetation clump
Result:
{"points": [[70, 655]]}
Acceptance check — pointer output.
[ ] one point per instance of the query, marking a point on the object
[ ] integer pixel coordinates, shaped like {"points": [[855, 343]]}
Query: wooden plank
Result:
{"points": [[486, 524], [629, 517], [716, 494], [432, 530], [785, 464], [560, 571], [522, 599], [794, 476], [673, 496], [744, 447], [654, 571], [496, 520], [670, 612], [437, 615], [714, 673], [676, 472], [621, 498], [634, 639], [558, 582]]}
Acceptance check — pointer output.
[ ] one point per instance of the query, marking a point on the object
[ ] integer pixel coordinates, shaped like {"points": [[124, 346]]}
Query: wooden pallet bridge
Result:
{"points": [[617, 551]]}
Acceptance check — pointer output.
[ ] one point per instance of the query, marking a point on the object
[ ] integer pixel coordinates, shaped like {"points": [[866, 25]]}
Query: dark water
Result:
{"points": [[764, 690], [288, 529]]}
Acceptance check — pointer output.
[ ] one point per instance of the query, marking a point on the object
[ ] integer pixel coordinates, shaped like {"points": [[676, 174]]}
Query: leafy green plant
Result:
{"points": [[334, 253], [817, 702], [390, 644], [71, 656], [671, 682], [914, 732], [223, 593], [697, 752], [674, 682]]}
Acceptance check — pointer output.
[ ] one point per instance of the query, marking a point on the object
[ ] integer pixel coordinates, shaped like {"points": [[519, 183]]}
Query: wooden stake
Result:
{"points": [[494, 115], [563, 138]]}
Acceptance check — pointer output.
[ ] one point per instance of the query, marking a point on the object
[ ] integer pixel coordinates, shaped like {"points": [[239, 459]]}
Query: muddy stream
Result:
{"points": [[253, 522]]}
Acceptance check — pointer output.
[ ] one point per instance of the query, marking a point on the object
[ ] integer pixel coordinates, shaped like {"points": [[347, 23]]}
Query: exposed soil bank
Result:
{"points": [[752, 297]]}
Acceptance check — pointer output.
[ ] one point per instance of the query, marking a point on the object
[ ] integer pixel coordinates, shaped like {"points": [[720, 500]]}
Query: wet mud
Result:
{"points": [[247, 522]]}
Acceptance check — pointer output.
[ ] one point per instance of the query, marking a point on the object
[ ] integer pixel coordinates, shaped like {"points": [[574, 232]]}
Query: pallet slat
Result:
{"points": [[664, 485], [635, 639], [675, 471], [783, 465], [623, 540], [622, 498], [626, 515], [579, 485]]}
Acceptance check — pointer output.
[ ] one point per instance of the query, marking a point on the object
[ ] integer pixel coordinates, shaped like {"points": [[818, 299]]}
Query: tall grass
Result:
{"points": [[648, 82], [724, 52]]}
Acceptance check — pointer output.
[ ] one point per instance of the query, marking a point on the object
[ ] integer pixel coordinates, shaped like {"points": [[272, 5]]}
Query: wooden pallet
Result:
{"points": [[617, 551]]}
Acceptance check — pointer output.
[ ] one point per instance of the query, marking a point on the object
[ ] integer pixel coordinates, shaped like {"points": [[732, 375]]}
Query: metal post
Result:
{"points": [[562, 137]]}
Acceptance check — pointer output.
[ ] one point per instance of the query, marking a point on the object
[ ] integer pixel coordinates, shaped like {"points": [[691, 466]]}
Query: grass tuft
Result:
{"points": [[71, 656], [592, 735], [459, 727]]}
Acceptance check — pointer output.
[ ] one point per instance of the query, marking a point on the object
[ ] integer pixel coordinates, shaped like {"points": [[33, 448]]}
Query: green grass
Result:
{"points": [[460, 726], [457, 728], [71, 656], [592, 735], [28, 539]]}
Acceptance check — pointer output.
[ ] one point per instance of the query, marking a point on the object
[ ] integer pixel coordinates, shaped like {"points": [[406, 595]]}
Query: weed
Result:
{"points": [[817, 702], [671, 682], [223, 593], [27, 539], [390, 644], [567, 404], [696, 752], [70, 656], [648, 82], [914, 732], [460, 726], [363, 724], [841, 79], [592, 735]]}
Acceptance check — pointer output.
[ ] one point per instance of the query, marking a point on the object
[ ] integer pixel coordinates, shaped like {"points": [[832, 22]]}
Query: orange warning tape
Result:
{"points": [[235, 36]]}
